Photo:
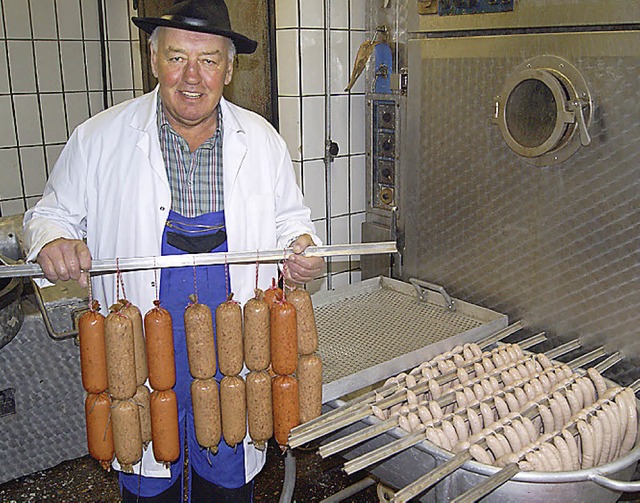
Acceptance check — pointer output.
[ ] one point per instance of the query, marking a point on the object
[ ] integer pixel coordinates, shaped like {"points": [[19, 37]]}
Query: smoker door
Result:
{"points": [[556, 246]]}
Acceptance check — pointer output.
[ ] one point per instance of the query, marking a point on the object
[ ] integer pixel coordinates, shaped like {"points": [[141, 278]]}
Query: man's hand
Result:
{"points": [[302, 269], [65, 259]]}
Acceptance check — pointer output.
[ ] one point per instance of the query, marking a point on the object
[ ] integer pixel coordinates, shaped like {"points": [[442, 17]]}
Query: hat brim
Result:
{"points": [[244, 45]]}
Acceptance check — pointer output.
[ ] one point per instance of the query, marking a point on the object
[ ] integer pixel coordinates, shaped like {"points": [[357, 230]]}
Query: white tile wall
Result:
{"points": [[53, 82], [301, 38]]}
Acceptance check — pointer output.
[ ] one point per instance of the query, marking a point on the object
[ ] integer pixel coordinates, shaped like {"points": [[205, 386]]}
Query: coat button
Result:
{"points": [[161, 208]]}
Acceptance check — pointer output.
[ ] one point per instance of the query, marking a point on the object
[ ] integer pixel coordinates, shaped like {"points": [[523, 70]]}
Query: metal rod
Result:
{"points": [[347, 492], [198, 259], [393, 388], [532, 341], [489, 485], [609, 362], [564, 348], [322, 430], [383, 452], [433, 477], [357, 437], [587, 357]]}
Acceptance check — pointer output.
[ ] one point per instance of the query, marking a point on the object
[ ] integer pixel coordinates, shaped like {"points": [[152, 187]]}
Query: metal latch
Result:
{"points": [[400, 81], [423, 288], [576, 106]]}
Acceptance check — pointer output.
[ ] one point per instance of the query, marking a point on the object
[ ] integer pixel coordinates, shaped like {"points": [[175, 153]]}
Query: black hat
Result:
{"points": [[206, 16]]}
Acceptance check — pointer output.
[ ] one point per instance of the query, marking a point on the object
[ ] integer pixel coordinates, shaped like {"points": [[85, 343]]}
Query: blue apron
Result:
{"points": [[226, 468]]}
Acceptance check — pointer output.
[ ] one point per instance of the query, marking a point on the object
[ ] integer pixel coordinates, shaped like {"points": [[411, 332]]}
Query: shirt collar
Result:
{"points": [[163, 123]]}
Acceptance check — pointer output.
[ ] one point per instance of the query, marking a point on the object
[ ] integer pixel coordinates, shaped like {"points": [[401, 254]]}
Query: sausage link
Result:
{"points": [[480, 455], [475, 423], [233, 407], [588, 444], [259, 408], [158, 329], [598, 381], [164, 426], [284, 338], [229, 338], [201, 349], [206, 413], [462, 430], [257, 335], [286, 408], [606, 436], [121, 364], [93, 352], [598, 439], [273, 294], [565, 454], [139, 344], [127, 438], [142, 400], [97, 410], [573, 449], [305, 321], [630, 409], [310, 387]]}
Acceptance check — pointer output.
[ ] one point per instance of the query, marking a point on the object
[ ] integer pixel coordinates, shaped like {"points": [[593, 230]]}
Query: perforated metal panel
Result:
{"points": [[380, 327]]}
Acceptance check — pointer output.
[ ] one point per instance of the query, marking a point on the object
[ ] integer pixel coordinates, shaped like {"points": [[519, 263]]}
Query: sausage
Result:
{"points": [[377, 411], [548, 419], [570, 440], [206, 413], [305, 321], [424, 414], [462, 430], [201, 350], [506, 446], [480, 455], [310, 387], [284, 339], [469, 395], [598, 440], [587, 441], [565, 454], [286, 408], [450, 432], [461, 400], [513, 438], [97, 410], [164, 426], [127, 438], [434, 389], [139, 344], [93, 352], [462, 375], [467, 353], [273, 294], [458, 360], [521, 431], [445, 442], [259, 408], [403, 422], [628, 399], [488, 388], [597, 380], [475, 423], [121, 364], [550, 454], [229, 338], [564, 406], [487, 414], [478, 391], [558, 417], [512, 402], [488, 365], [435, 409], [158, 329], [531, 429], [233, 409], [507, 379], [257, 350], [521, 396], [142, 400], [606, 436], [572, 400]]}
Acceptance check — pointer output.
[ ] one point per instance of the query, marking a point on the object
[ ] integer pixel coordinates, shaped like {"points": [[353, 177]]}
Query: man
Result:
{"points": [[179, 170]]}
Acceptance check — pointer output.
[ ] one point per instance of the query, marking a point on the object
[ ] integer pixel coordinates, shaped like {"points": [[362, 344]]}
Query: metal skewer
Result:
{"points": [[197, 259]]}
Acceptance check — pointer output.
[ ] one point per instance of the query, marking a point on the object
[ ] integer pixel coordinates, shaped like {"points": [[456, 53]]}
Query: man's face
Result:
{"points": [[192, 69]]}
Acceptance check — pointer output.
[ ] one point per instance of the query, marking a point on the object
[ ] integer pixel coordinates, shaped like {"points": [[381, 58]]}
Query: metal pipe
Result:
{"points": [[198, 259], [289, 482], [347, 492]]}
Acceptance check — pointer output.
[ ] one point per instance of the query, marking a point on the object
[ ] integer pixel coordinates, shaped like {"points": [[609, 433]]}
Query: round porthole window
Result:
{"points": [[544, 110]]}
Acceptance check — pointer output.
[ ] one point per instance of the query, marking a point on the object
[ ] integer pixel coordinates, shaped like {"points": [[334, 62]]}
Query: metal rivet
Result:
{"points": [[161, 208]]}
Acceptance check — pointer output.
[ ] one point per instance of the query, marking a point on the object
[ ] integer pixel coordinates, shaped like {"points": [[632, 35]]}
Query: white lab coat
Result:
{"points": [[110, 186]]}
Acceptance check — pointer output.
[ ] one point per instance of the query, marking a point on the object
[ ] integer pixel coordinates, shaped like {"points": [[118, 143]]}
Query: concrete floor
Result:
{"points": [[82, 480]]}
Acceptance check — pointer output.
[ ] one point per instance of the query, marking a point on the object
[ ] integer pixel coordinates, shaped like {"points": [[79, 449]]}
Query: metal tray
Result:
{"points": [[381, 326]]}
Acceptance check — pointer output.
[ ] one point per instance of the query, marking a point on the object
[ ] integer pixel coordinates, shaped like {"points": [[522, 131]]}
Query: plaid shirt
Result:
{"points": [[195, 178]]}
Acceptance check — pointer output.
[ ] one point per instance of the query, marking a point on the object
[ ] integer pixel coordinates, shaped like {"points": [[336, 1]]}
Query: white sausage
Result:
{"points": [[522, 433], [521, 396], [424, 414], [479, 369], [565, 454], [480, 455], [512, 402], [513, 438], [486, 385], [462, 430], [461, 400], [434, 389], [597, 380], [548, 419], [450, 432], [487, 414], [607, 436], [531, 429], [478, 391], [475, 423], [501, 406], [507, 379], [573, 449], [496, 447], [468, 393], [435, 410], [587, 441], [488, 365], [598, 440], [463, 377]]}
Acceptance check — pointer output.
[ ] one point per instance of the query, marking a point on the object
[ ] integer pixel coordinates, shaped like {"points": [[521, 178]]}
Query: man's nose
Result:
{"points": [[192, 72]]}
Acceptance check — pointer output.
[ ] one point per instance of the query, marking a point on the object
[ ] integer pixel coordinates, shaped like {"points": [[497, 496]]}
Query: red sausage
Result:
{"points": [[273, 294], [164, 426], [93, 351], [286, 408], [97, 410], [159, 330], [284, 338]]}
